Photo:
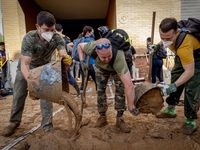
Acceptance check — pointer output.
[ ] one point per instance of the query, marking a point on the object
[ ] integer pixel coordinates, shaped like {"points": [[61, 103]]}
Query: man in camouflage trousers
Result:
{"points": [[37, 49], [121, 76]]}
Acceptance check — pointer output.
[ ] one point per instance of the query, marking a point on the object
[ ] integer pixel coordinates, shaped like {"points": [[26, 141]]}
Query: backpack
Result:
{"points": [[162, 53], [128, 55], [191, 26], [119, 40], [75, 48]]}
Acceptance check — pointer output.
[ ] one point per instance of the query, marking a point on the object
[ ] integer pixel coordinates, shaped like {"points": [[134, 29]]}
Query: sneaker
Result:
{"points": [[10, 130], [122, 125], [168, 113], [162, 83], [101, 121], [189, 127]]}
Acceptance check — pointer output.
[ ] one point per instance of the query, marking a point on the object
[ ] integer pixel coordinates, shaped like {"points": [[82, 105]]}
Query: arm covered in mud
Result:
{"points": [[130, 93], [25, 63]]}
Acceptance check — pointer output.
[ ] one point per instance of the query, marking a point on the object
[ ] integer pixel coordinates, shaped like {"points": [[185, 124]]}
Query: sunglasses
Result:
{"points": [[106, 46]]}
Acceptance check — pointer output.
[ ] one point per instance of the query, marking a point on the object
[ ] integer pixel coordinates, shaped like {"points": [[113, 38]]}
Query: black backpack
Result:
{"points": [[190, 26], [162, 53], [119, 40]]}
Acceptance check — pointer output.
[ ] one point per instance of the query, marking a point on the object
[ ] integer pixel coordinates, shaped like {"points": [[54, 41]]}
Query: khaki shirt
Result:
{"points": [[119, 65]]}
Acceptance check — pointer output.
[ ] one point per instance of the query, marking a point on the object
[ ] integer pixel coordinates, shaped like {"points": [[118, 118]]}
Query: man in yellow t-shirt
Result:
{"points": [[184, 75], [121, 75]]}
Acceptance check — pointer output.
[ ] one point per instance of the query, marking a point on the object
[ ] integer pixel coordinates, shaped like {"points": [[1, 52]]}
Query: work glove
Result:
{"points": [[134, 112], [67, 60], [83, 66], [167, 89], [152, 48]]}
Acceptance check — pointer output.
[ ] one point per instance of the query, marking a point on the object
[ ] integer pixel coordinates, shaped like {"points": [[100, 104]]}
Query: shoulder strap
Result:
{"points": [[94, 54], [180, 39], [114, 52]]}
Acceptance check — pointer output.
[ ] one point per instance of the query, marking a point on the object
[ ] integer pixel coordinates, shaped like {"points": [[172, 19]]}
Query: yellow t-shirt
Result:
{"points": [[185, 51]]}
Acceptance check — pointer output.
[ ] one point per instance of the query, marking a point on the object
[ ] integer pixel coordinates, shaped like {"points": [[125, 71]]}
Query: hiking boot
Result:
{"points": [[75, 85], [168, 113], [10, 130], [101, 121], [189, 127], [122, 125]]}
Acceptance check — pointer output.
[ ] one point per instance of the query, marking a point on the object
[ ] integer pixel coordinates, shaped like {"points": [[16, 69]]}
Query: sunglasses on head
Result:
{"points": [[106, 46]]}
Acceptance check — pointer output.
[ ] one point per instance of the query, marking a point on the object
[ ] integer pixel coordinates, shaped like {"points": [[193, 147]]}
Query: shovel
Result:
{"points": [[83, 95]]}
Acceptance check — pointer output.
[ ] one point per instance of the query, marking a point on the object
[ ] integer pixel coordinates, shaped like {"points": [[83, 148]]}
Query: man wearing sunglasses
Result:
{"points": [[37, 49], [121, 75]]}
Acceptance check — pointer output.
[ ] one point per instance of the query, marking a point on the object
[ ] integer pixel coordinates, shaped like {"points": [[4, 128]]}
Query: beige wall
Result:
{"points": [[135, 17], [13, 26]]}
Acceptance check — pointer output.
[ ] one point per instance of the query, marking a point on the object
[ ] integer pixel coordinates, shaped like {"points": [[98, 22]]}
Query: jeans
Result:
{"points": [[90, 72], [156, 70], [75, 65]]}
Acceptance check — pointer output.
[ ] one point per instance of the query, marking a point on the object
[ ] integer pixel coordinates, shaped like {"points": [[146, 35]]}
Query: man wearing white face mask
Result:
{"points": [[185, 74], [37, 49]]}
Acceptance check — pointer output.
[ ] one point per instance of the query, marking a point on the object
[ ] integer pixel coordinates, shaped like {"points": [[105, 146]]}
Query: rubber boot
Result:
{"points": [[75, 85], [122, 125], [10, 130], [101, 121]]}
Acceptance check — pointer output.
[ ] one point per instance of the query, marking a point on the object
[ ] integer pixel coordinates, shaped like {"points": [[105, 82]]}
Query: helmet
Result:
{"points": [[103, 30]]}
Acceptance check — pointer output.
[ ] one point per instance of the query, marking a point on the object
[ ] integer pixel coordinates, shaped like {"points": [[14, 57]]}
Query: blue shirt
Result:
{"points": [[92, 61]]}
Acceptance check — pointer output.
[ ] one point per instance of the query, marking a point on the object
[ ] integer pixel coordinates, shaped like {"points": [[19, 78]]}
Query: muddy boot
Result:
{"points": [[122, 125], [168, 113], [189, 127], [10, 130], [101, 121], [75, 85]]}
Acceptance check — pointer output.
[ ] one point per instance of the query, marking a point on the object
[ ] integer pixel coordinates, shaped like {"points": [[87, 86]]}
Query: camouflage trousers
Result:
{"points": [[19, 96], [102, 77], [192, 89]]}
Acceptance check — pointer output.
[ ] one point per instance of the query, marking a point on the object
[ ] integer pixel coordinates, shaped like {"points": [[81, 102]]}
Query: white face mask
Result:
{"points": [[167, 43], [46, 35]]}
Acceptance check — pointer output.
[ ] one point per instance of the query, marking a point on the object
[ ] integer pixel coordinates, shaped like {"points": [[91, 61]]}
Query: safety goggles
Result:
{"points": [[106, 46]]}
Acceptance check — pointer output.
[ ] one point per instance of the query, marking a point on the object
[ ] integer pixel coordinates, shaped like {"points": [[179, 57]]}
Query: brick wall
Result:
{"points": [[135, 17], [13, 26]]}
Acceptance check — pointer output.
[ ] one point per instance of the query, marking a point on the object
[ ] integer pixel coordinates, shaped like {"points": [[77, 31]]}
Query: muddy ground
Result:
{"points": [[147, 131]]}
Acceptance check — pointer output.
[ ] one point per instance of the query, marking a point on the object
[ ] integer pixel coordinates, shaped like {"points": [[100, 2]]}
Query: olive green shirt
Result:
{"points": [[119, 65], [39, 52]]}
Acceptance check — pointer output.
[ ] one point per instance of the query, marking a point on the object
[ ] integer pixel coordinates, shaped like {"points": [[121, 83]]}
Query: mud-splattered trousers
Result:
{"points": [[102, 77], [19, 96], [192, 89]]}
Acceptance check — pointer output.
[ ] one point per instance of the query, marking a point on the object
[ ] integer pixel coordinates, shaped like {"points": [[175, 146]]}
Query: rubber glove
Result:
{"points": [[152, 48], [83, 65], [67, 60], [167, 89], [134, 112]]}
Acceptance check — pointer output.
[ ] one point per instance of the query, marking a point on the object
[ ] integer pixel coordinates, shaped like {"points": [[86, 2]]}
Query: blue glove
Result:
{"points": [[167, 89]]}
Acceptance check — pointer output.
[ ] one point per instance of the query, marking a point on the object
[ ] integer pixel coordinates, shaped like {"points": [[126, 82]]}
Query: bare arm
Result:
{"points": [[70, 46], [80, 51], [25, 63], [187, 74], [129, 90], [62, 52]]}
